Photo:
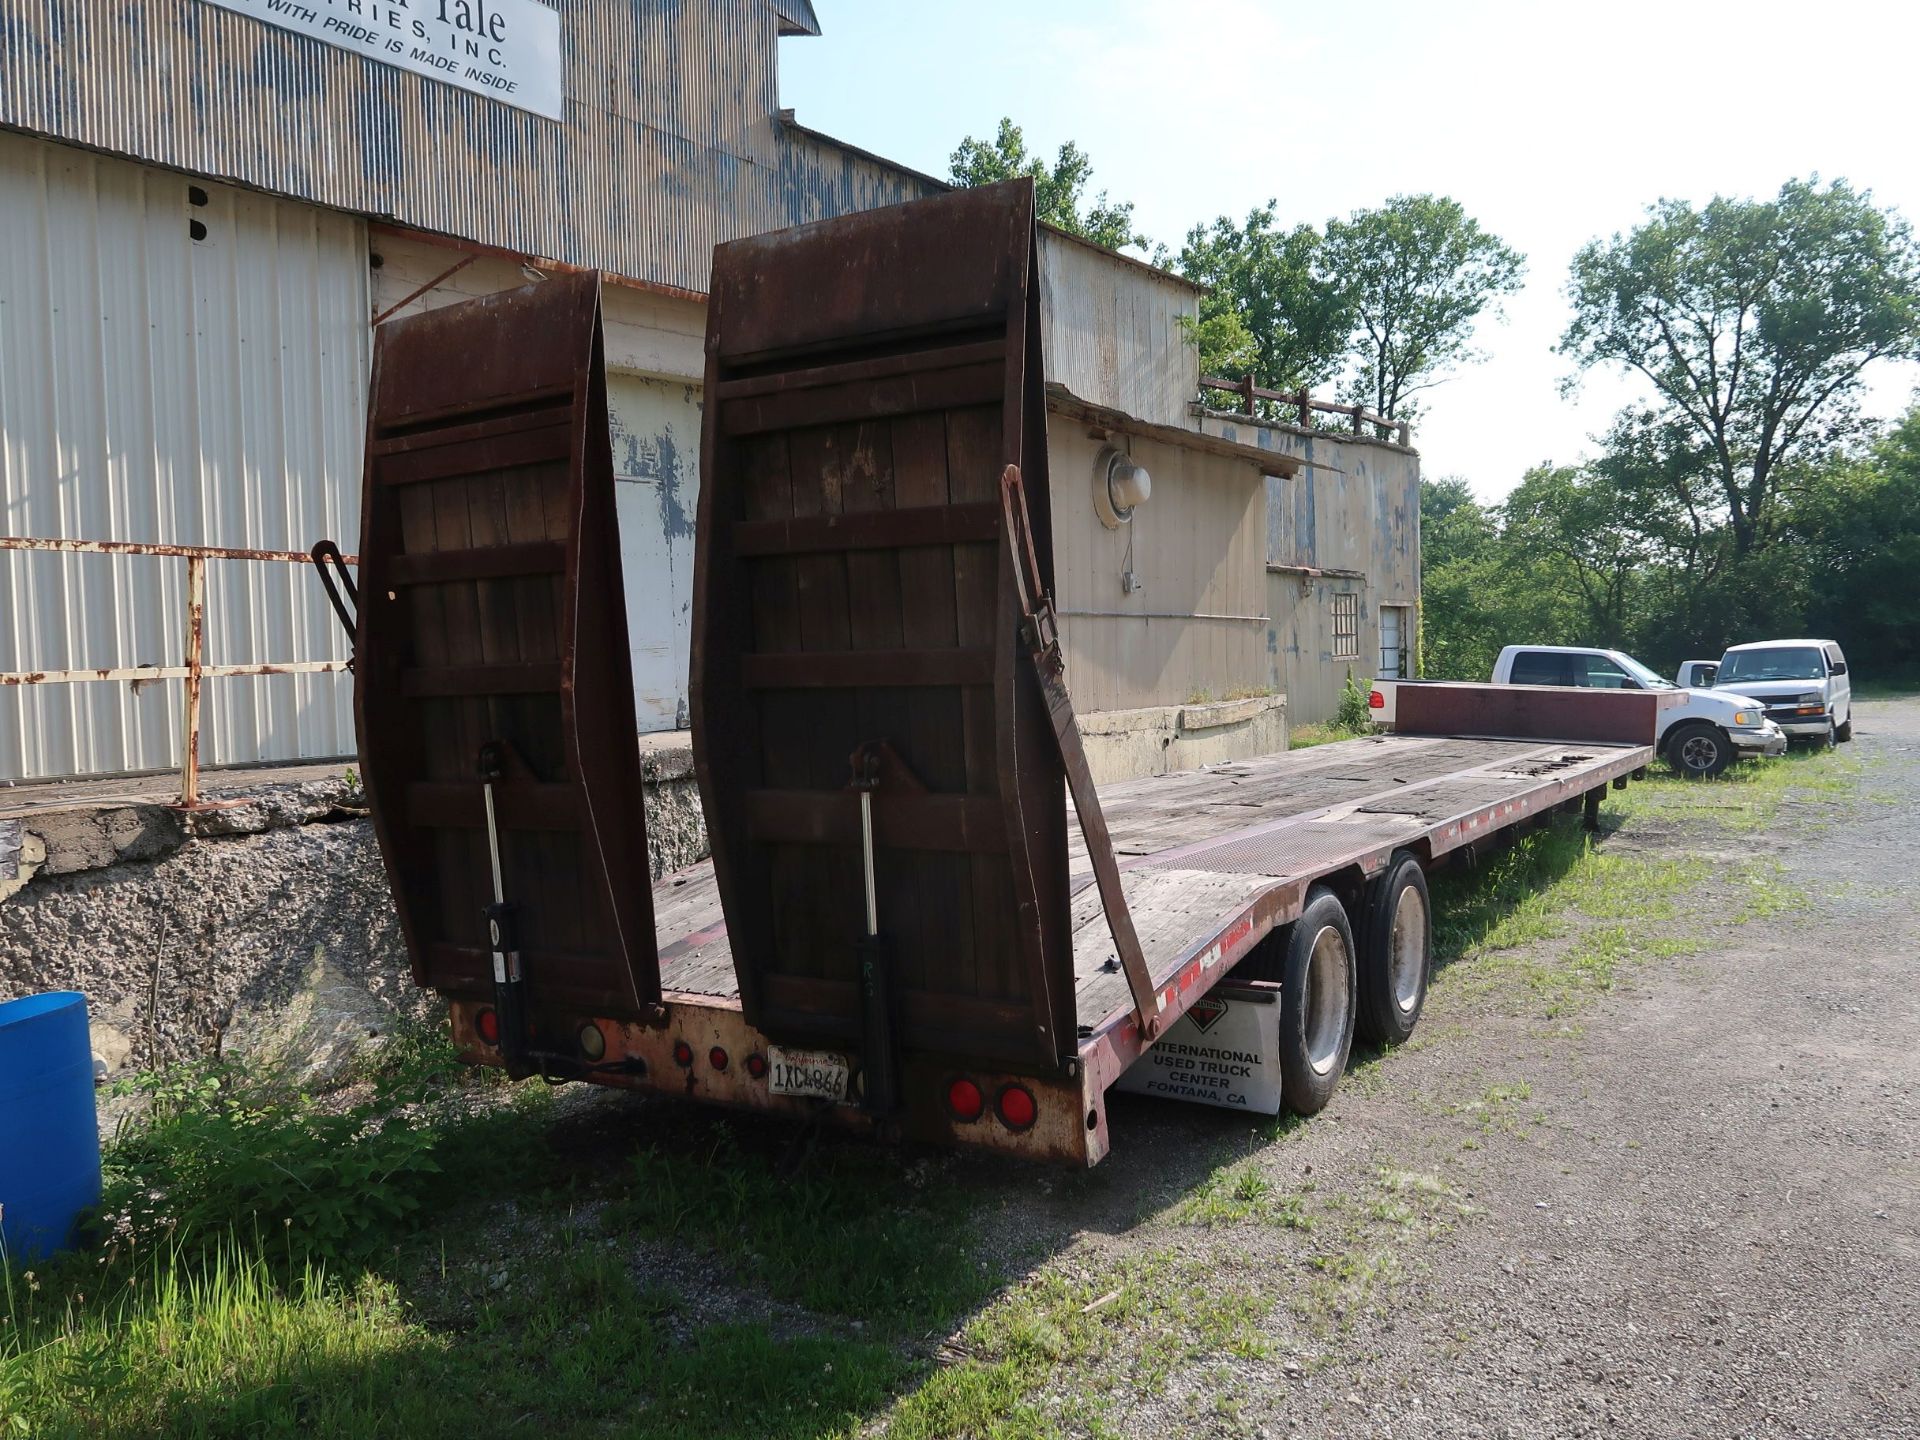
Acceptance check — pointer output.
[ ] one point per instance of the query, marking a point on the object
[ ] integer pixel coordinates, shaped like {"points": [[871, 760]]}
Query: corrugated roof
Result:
{"points": [[796, 17]]}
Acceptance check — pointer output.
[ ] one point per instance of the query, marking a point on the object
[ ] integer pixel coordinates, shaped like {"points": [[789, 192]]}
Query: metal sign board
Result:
{"points": [[507, 50], [1224, 1051]]}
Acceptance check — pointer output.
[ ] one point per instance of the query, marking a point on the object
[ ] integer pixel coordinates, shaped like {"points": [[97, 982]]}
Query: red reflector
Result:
{"points": [[757, 1066], [682, 1054], [965, 1101], [1018, 1108], [487, 1023], [717, 1058], [1376, 701]]}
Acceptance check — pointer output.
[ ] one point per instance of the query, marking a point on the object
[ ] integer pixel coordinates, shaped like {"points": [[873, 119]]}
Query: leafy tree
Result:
{"points": [[1589, 523], [1753, 321], [1859, 523], [1419, 271], [1479, 589], [1267, 312], [1058, 188]]}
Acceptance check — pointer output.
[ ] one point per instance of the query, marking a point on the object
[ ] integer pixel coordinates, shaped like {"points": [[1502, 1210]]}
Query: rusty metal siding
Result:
{"points": [[158, 389], [672, 140], [1355, 507]]}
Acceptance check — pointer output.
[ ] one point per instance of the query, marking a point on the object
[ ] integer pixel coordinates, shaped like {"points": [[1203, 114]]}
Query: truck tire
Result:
{"points": [[1843, 732], [1316, 1003], [1396, 952], [1699, 751]]}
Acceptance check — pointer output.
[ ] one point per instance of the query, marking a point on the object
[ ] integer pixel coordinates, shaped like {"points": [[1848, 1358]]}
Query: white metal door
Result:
{"points": [[180, 363], [656, 467]]}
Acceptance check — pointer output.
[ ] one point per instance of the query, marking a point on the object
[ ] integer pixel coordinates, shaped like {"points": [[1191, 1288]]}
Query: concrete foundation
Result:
{"points": [[262, 928], [1126, 744]]}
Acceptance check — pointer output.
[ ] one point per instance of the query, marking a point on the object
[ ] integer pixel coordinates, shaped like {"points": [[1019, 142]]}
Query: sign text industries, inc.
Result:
{"points": [[508, 50]]}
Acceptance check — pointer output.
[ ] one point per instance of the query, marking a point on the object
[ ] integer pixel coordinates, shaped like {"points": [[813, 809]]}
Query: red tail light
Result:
{"points": [[683, 1054], [717, 1058], [757, 1065], [964, 1100], [1376, 701], [1018, 1109], [487, 1025]]}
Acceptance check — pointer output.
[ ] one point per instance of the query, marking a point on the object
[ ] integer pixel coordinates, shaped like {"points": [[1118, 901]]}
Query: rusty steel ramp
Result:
{"points": [[856, 624], [492, 683]]}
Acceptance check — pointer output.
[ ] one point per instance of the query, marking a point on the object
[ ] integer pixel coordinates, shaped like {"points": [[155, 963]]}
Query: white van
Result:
{"points": [[1803, 684]]}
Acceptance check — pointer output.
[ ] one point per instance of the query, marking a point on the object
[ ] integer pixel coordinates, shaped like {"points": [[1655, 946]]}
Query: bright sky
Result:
{"points": [[1552, 124]]}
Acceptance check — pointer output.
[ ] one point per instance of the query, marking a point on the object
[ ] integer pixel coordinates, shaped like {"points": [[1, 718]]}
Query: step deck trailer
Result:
{"points": [[905, 927]]}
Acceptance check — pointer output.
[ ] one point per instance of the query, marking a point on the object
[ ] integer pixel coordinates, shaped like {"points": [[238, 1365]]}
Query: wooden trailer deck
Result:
{"points": [[1217, 857]]}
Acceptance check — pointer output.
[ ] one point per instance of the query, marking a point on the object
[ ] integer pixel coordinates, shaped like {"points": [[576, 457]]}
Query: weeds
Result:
{"points": [[1241, 1192], [217, 1153], [842, 1237], [1352, 718]]}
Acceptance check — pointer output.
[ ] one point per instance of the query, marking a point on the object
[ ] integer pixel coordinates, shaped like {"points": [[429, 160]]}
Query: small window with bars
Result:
{"points": [[1346, 627]]}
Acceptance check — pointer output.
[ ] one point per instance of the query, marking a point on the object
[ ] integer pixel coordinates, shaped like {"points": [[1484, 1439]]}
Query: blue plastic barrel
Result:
{"points": [[49, 1131]]}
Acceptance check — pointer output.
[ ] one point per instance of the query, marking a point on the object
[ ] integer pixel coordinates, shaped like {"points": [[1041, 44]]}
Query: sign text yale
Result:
{"points": [[507, 49]]}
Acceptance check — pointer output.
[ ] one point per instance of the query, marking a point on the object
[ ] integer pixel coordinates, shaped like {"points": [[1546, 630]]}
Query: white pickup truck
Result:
{"points": [[1699, 738]]}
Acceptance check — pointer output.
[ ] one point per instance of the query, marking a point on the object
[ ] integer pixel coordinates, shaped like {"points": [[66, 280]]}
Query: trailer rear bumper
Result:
{"points": [[703, 1050]]}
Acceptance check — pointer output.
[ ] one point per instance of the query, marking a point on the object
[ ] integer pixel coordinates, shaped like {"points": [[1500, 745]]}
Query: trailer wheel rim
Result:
{"points": [[1409, 954], [1324, 1006], [1699, 752]]}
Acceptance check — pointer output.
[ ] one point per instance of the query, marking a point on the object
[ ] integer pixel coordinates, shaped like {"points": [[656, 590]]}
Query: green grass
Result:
{"points": [[844, 1236], [1241, 1192], [1548, 924], [229, 1346], [1303, 737], [1545, 925], [517, 1293], [1746, 797]]}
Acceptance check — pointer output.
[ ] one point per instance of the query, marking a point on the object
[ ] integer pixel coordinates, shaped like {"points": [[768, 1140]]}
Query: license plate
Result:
{"points": [[817, 1074]]}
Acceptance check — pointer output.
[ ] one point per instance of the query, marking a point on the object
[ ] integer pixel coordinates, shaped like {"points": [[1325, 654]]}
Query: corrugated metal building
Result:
{"points": [[1272, 561], [202, 212]]}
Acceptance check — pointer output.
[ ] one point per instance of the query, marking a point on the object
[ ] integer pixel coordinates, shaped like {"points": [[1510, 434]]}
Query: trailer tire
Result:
{"points": [[1699, 751], [1396, 952], [1316, 1003]]}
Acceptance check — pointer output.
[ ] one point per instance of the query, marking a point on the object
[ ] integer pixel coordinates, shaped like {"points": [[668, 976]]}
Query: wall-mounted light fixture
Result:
{"points": [[1119, 487]]}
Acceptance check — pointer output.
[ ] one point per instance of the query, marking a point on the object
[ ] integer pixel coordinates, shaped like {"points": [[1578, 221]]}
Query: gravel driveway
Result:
{"points": [[1688, 1208]]}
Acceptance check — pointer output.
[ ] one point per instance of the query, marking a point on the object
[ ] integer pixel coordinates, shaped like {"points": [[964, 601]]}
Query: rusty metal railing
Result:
{"points": [[195, 669], [1305, 407]]}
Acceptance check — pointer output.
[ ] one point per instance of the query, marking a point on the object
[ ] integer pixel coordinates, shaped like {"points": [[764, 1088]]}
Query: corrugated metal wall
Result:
{"points": [[1356, 506], [158, 388], [1113, 331], [656, 470], [1199, 547], [672, 140]]}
